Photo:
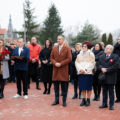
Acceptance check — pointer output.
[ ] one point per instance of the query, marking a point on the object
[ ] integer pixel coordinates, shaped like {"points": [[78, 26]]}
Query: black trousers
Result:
{"points": [[2, 84], [108, 89], [47, 86], [117, 86], [21, 76], [64, 88], [33, 72], [96, 85], [76, 87]]}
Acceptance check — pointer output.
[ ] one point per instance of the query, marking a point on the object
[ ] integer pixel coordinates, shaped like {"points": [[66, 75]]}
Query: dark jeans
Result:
{"points": [[21, 76], [64, 87], [108, 89], [2, 84], [33, 72]]}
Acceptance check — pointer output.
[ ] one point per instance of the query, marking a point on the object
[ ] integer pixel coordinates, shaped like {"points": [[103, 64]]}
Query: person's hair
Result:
{"points": [[34, 38], [78, 44], [89, 44], [62, 36], [2, 41], [21, 39], [50, 46], [100, 46], [111, 46], [12, 44]]}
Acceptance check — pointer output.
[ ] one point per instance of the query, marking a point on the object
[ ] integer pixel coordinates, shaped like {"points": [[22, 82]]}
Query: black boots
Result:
{"points": [[96, 98], [75, 96], [88, 102], [85, 102]]}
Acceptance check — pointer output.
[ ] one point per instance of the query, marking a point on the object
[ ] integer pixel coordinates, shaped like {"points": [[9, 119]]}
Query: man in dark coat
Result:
{"points": [[117, 86], [108, 64], [20, 57], [60, 58]]}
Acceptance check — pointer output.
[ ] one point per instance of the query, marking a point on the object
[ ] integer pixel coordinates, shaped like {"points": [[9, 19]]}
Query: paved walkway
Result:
{"points": [[38, 107]]}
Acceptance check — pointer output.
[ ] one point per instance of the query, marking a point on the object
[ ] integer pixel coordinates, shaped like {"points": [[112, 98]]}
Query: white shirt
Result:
{"points": [[20, 50], [60, 47]]}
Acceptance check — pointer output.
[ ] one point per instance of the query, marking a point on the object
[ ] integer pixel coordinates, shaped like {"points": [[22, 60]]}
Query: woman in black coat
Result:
{"points": [[74, 75], [46, 68], [98, 51]]}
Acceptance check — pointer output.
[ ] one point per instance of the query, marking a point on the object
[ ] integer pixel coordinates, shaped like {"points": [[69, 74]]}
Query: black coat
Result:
{"points": [[46, 69], [97, 56], [97, 72], [112, 65], [74, 71], [117, 49]]}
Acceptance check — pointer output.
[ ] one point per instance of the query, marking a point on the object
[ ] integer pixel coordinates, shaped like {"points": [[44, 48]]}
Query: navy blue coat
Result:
{"points": [[22, 64]]}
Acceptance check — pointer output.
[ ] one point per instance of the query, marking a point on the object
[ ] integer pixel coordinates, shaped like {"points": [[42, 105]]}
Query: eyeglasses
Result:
{"points": [[84, 46]]}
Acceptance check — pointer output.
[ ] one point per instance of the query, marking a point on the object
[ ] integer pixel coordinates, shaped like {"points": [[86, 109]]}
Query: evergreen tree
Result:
{"points": [[110, 39], [52, 26], [88, 33], [30, 25], [104, 39]]}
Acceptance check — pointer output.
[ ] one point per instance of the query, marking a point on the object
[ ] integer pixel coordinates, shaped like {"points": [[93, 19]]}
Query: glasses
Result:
{"points": [[84, 46]]}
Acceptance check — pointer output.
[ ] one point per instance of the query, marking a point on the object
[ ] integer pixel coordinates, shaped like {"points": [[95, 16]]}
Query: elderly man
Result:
{"points": [[108, 64], [20, 57], [61, 57]]}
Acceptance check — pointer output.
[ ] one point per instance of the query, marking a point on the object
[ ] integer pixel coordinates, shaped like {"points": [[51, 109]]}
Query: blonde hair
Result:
{"points": [[80, 44]]}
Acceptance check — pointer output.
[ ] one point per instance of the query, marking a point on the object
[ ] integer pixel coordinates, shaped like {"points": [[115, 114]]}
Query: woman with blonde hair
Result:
{"points": [[85, 63], [74, 75]]}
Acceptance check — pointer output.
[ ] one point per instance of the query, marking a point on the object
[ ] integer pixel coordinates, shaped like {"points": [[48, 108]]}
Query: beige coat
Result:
{"points": [[85, 62], [65, 57]]}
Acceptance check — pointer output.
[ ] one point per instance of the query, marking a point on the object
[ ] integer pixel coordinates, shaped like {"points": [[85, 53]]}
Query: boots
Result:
{"points": [[88, 102], [75, 96], [83, 102], [37, 86]]}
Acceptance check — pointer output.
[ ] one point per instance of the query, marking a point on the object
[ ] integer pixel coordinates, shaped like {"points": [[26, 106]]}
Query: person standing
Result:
{"points": [[46, 68], [20, 57], [108, 64], [74, 75], [117, 86], [4, 67], [60, 58], [98, 51], [85, 63], [33, 69]]}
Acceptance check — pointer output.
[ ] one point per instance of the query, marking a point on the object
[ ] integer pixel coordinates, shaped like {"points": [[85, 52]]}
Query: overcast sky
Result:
{"points": [[103, 13]]}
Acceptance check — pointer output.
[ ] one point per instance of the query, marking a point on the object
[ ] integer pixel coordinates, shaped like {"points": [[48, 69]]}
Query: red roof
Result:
{"points": [[2, 31]]}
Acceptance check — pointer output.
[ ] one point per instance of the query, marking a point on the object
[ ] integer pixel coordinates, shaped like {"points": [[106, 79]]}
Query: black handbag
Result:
{"points": [[101, 77]]}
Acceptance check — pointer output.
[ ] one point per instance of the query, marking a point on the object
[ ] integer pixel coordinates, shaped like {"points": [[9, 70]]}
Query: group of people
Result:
{"points": [[88, 67]]}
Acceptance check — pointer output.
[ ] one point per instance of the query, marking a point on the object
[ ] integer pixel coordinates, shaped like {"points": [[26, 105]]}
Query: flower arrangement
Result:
{"points": [[4, 53]]}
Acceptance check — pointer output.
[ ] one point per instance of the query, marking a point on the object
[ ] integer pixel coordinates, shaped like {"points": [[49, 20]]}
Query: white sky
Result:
{"points": [[103, 13]]}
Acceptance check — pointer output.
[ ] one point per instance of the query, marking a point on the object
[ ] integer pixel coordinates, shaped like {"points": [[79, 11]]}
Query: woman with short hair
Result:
{"points": [[85, 63]]}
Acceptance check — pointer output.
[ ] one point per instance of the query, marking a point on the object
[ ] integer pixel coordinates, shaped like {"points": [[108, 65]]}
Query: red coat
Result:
{"points": [[65, 57], [34, 51]]}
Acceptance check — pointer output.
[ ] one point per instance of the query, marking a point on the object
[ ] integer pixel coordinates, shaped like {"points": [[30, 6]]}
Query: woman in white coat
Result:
{"points": [[85, 63]]}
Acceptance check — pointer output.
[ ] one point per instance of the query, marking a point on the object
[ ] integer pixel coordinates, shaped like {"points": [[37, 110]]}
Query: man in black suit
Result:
{"points": [[108, 64]]}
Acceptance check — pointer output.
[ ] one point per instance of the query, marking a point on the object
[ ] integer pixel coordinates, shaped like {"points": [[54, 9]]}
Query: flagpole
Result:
{"points": [[24, 23]]}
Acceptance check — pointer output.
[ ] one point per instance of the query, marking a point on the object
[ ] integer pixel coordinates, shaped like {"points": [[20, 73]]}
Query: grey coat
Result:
{"points": [[6, 67]]}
